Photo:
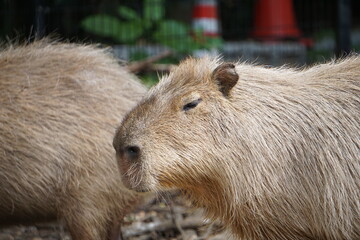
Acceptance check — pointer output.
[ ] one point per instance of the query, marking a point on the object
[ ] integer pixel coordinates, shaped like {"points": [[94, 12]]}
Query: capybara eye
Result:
{"points": [[132, 152], [192, 104]]}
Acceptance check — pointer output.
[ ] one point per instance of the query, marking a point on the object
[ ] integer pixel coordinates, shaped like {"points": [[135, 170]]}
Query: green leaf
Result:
{"points": [[206, 42], [128, 13], [109, 26], [213, 42], [175, 35], [129, 32], [101, 24], [154, 10], [150, 79], [170, 29], [187, 45]]}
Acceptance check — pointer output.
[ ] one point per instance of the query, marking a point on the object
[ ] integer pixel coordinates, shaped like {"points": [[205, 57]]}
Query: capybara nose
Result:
{"points": [[131, 153]]}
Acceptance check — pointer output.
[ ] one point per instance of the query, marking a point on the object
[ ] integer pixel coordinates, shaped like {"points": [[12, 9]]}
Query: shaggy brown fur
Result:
{"points": [[274, 153], [58, 107]]}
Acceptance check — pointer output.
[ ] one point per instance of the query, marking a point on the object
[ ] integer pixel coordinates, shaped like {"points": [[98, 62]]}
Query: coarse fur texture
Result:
{"points": [[59, 106], [273, 152]]}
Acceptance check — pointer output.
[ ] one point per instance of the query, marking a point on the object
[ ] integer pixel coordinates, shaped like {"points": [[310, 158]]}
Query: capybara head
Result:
{"points": [[270, 151], [170, 139]]}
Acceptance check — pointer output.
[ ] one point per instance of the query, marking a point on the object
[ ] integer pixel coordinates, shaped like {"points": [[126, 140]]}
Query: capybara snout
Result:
{"points": [[129, 159], [273, 152], [129, 153]]}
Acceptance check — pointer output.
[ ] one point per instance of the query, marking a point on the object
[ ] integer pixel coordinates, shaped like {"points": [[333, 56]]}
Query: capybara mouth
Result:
{"points": [[139, 189], [134, 185], [144, 190]]}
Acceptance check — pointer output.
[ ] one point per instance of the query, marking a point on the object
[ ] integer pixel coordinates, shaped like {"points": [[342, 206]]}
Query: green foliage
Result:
{"points": [[321, 55], [315, 56], [101, 24], [128, 13], [149, 79], [175, 35], [106, 25], [128, 27], [323, 34], [154, 10]]}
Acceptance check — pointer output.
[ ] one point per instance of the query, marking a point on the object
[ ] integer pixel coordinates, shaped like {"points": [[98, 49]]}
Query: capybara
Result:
{"points": [[273, 152], [59, 107]]}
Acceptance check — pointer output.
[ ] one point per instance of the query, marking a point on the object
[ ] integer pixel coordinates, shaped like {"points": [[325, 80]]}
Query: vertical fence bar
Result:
{"points": [[343, 28], [39, 19]]}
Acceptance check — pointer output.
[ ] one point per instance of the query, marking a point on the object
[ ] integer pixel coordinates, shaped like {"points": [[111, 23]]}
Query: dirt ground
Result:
{"points": [[160, 218]]}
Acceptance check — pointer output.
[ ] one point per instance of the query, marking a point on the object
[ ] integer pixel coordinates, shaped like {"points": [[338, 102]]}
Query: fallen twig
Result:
{"points": [[141, 228], [176, 218], [138, 66], [159, 67], [207, 233]]}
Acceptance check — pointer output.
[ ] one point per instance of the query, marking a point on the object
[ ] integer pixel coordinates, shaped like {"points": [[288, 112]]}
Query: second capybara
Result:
{"points": [[272, 152], [59, 105]]}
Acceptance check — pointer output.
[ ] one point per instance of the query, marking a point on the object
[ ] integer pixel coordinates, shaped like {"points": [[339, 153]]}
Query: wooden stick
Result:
{"points": [[138, 66], [139, 228]]}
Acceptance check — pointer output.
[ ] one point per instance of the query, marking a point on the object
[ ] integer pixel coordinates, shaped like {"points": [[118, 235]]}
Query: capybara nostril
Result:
{"points": [[132, 153]]}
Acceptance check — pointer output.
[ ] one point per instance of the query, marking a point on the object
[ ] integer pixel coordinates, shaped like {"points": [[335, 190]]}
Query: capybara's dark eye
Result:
{"points": [[132, 152], [192, 104]]}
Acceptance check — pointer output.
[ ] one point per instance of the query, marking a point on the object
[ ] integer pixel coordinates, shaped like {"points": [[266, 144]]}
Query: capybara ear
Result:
{"points": [[226, 77]]}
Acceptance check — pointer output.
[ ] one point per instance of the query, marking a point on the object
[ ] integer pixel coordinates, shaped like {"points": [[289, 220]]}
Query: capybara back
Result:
{"points": [[59, 103]]}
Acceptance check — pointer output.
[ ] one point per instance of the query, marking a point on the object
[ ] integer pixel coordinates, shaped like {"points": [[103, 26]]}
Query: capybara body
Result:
{"points": [[59, 105], [273, 152]]}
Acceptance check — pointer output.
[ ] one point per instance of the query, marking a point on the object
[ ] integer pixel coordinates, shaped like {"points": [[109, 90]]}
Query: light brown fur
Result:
{"points": [[59, 104], [277, 156]]}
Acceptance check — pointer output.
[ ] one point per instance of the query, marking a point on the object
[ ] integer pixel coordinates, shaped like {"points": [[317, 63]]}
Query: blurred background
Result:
{"points": [[153, 35], [271, 32]]}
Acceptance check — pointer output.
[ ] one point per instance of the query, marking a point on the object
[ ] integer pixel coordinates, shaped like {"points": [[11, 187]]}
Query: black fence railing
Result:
{"points": [[326, 26]]}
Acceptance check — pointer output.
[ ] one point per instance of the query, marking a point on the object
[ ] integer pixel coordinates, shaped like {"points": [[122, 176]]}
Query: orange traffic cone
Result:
{"points": [[205, 20], [205, 17], [275, 20]]}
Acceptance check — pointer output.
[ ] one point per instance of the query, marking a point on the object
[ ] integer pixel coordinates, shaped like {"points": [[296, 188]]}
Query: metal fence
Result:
{"points": [[139, 28]]}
